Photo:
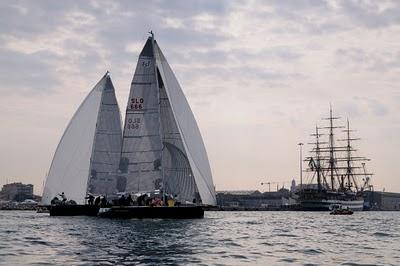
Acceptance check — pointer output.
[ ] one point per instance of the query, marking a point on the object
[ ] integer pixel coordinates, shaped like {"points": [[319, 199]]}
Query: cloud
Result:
{"points": [[377, 61], [371, 14], [28, 74]]}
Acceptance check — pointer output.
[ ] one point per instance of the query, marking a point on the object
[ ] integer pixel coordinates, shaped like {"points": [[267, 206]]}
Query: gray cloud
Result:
{"points": [[369, 13], [377, 61], [30, 18], [30, 74]]}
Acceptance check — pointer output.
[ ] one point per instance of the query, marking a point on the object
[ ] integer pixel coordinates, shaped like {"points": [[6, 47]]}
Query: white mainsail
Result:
{"points": [[87, 156], [141, 154], [162, 145]]}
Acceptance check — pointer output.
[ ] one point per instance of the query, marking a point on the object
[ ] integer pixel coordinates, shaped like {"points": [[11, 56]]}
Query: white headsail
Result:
{"points": [[162, 145], [87, 156]]}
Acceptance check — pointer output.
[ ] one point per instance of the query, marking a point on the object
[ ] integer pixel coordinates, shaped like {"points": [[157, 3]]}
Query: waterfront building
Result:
{"points": [[16, 192], [382, 201], [254, 199]]}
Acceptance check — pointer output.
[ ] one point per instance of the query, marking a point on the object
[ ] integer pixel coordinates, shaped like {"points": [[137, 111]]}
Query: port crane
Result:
{"points": [[272, 183]]}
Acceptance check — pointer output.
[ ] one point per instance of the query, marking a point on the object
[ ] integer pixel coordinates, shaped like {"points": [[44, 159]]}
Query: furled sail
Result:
{"points": [[87, 156], [162, 145]]}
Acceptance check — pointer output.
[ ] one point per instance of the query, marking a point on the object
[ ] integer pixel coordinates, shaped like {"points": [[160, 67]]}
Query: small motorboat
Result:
{"points": [[339, 210]]}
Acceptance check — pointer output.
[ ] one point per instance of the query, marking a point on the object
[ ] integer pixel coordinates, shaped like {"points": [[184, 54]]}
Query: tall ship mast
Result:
{"points": [[333, 170]]}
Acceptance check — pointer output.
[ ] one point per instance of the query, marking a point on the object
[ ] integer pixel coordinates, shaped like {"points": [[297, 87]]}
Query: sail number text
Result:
{"points": [[137, 103], [146, 63], [133, 123]]}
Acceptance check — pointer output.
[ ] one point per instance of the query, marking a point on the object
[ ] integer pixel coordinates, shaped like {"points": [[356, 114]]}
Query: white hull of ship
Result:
{"points": [[325, 204]]}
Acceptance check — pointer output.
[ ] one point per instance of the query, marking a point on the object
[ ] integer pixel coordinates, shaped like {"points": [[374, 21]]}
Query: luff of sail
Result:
{"points": [[162, 145], [87, 156]]}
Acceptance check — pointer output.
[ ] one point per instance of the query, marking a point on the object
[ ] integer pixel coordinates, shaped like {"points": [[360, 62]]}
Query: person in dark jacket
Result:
{"points": [[97, 201], [103, 201], [129, 200], [90, 199], [122, 200]]}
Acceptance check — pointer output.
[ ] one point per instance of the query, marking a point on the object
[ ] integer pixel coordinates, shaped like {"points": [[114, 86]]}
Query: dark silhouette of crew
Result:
{"points": [[97, 201], [122, 200], [129, 200], [103, 202], [63, 197], [90, 199], [142, 200]]}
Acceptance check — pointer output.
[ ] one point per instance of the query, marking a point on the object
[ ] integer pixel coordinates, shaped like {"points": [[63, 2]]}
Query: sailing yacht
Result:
{"points": [[162, 148], [87, 156], [163, 153]]}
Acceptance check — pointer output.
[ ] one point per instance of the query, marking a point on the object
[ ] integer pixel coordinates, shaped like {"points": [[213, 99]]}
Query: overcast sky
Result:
{"points": [[259, 75]]}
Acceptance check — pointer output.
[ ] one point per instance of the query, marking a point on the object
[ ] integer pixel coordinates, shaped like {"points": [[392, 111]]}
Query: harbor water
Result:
{"points": [[221, 238]]}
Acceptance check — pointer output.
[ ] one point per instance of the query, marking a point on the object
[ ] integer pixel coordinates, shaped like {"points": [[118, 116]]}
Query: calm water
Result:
{"points": [[221, 238]]}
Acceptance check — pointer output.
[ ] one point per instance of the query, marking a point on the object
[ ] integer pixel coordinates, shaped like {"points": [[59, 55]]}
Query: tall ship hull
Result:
{"points": [[324, 201]]}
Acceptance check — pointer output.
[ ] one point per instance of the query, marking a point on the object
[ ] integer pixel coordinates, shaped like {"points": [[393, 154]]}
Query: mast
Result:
{"points": [[315, 165], [349, 159], [332, 168], [159, 117], [318, 159], [336, 162], [331, 151], [301, 165], [349, 170]]}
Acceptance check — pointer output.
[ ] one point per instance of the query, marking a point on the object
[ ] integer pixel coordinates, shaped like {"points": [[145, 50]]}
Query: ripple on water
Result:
{"points": [[381, 234], [288, 260], [237, 256], [221, 238], [286, 235], [311, 251], [357, 264]]}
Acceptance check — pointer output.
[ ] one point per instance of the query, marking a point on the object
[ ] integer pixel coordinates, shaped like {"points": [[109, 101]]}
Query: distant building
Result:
{"points": [[293, 186], [253, 199], [17, 192], [382, 201]]}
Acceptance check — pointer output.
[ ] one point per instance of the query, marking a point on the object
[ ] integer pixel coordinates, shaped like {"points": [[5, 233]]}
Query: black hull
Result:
{"points": [[73, 210], [128, 212]]}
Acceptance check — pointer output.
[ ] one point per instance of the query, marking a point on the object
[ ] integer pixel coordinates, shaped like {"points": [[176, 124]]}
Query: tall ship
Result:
{"points": [[336, 176]]}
